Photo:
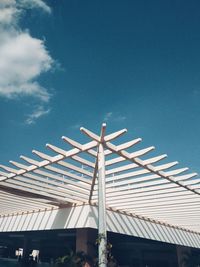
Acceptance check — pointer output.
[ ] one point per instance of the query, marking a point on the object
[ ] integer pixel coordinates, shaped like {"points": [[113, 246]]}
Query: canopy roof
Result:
{"points": [[136, 184]]}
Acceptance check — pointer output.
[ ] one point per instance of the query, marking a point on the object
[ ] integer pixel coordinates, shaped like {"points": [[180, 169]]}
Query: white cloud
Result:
{"points": [[8, 12], [111, 116], [76, 126], [120, 118], [107, 116], [37, 113], [23, 58], [7, 2], [35, 4], [11, 9]]}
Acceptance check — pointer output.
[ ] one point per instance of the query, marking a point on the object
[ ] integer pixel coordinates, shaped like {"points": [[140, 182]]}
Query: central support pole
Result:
{"points": [[102, 237], [101, 141]]}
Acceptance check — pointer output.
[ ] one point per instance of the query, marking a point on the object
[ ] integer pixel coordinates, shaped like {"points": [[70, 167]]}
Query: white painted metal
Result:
{"points": [[116, 222], [102, 226], [150, 188]]}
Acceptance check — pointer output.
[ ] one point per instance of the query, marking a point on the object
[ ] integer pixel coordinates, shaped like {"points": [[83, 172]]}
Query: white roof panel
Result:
{"points": [[147, 187]]}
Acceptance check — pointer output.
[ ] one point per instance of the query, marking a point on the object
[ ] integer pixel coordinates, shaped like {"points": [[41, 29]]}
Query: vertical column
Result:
{"points": [[102, 237]]}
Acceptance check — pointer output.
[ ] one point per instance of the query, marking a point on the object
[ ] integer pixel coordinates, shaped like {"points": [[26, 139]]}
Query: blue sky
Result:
{"points": [[71, 63]]}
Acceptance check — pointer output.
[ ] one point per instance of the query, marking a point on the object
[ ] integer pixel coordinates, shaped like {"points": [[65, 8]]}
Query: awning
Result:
{"points": [[148, 188]]}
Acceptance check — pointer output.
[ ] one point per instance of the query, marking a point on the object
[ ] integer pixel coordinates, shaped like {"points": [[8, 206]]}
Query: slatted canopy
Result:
{"points": [[137, 184]]}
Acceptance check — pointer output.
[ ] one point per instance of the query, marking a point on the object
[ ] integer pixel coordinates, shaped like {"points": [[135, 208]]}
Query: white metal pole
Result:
{"points": [[102, 237]]}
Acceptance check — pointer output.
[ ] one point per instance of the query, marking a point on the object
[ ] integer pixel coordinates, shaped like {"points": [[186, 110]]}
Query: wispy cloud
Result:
{"points": [[23, 57], [114, 116], [76, 126], [107, 116], [35, 4], [120, 118], [40, 111]]}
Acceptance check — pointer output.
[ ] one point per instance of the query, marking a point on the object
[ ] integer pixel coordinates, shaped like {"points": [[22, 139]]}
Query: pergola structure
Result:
{"points": [[130, 183]]}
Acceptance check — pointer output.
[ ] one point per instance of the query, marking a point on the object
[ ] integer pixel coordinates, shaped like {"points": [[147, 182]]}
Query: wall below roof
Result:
{"points": [[86, 217]]}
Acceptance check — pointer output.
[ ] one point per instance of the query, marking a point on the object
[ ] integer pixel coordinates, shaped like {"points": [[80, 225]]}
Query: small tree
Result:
{"points": [[79, 259], [111, 261]]}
